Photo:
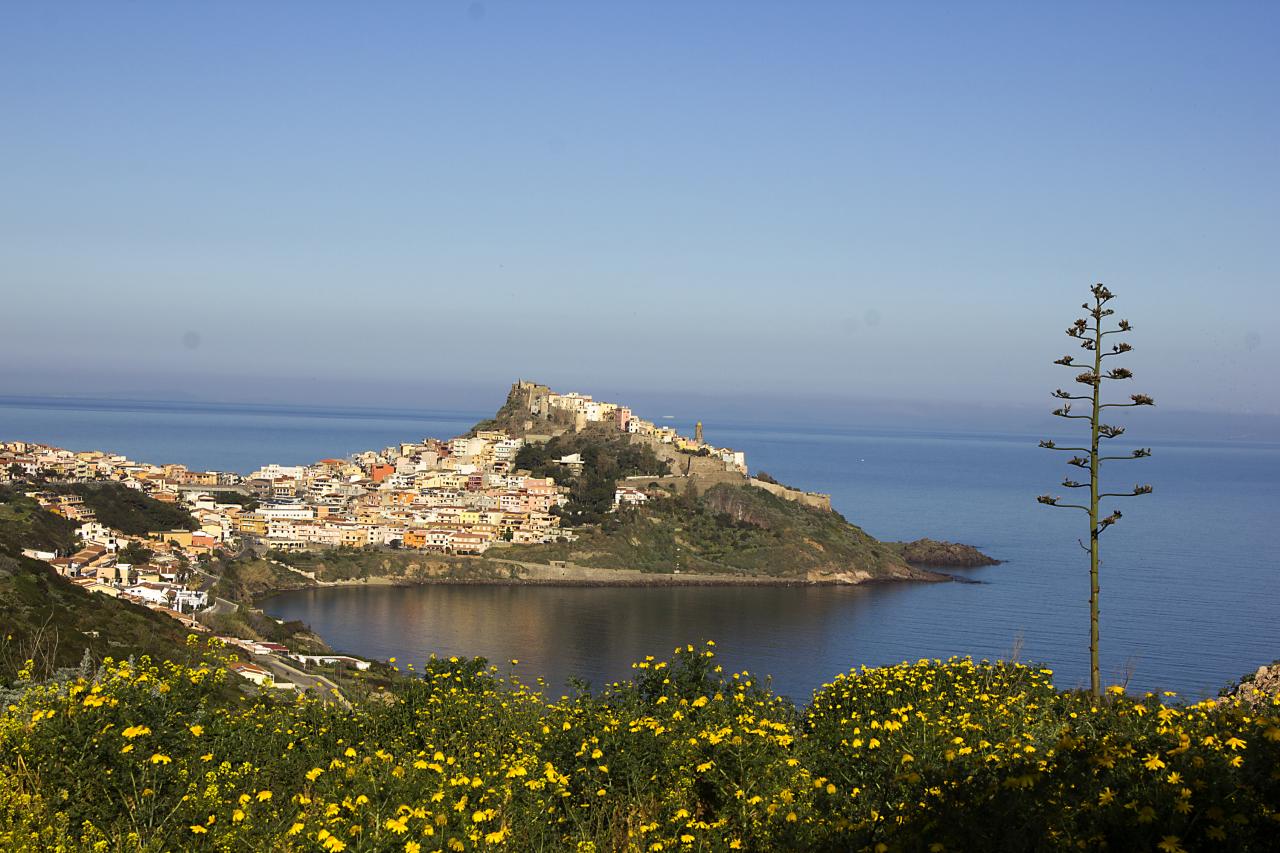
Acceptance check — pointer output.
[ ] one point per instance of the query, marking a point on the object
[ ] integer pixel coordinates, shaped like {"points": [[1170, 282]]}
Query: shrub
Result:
{"points": [[935, 755]]}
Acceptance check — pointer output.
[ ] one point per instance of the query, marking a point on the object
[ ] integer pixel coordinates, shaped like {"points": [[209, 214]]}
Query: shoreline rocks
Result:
{"points": [[1260, 688], [933, 552]]}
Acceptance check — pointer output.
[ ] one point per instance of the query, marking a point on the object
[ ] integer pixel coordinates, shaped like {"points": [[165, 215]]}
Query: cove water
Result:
{"points": [[1190, 580]]}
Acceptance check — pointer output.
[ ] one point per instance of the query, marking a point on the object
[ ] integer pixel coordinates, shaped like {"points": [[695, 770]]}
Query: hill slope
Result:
{"points": [[48, 619], [51, 621], [730, 530], [23, 524], [128, 510]]}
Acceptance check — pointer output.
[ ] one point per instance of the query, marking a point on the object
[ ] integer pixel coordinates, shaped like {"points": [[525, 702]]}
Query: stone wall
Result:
{"points": [[705, 480], [816, 500], [685, 464], [572, 572]]}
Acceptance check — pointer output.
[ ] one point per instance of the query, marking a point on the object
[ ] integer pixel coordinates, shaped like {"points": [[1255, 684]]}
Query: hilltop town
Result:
{"points": [[457, 496], [460, 496]]}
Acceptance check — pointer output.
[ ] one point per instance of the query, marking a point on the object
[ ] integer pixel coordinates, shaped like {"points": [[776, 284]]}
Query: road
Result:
{"points": [[222, 606], [323, 687]]}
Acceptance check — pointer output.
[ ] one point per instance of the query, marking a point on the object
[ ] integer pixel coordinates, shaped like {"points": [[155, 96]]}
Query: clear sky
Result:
{"points": [[364, 202]]}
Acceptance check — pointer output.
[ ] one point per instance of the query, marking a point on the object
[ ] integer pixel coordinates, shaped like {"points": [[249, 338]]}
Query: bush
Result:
{"points": [[681, 757], [128, 510]]}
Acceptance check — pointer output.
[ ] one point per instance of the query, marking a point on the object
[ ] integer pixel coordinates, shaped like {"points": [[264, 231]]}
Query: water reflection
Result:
{"points": [[801, 636]]}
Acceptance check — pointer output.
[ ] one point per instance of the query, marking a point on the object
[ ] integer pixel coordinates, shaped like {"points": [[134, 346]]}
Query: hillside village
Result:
{"points": [[461, 496]]}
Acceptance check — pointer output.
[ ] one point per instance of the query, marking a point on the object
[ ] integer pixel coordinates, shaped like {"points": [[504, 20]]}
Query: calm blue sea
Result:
{"points": [[219, 437], [1190, 578]]}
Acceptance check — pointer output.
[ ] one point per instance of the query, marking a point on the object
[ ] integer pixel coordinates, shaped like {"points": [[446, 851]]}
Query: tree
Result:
{"points": [[136, 554], [1091, 339]]}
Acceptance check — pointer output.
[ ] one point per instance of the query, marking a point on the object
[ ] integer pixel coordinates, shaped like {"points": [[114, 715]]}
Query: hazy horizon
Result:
{"points": [[835, 202], [761, 411]]}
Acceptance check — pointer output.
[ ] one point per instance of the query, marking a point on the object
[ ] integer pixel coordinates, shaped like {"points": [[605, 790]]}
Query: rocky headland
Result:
{"points": [[938, 554]]}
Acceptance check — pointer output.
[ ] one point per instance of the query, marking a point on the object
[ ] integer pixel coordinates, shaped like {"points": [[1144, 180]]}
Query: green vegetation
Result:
{"points": [[343, 564], [931, 552], [251, 624], [23, 524], [1091, 340], [52, 622], [240, 581], [728, 529], [606, 458], [127, 510], [934, 755], [510, 417], [245, 578], [249, 502], [135, 554], [348, 564], [514, 414]]}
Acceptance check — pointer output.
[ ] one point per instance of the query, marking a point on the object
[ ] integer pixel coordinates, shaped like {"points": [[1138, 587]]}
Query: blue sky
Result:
{"points": [[378, 203]]}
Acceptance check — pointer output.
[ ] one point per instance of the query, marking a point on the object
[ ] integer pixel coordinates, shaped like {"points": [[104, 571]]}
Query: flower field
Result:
{"points": [[930, 756]]}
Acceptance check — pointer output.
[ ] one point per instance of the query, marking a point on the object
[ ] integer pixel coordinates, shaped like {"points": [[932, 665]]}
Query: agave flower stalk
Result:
{"points": [[1092, 337]]}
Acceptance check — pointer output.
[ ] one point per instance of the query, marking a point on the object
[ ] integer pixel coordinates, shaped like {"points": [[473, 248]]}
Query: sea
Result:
{"points": [[1190, 577]]}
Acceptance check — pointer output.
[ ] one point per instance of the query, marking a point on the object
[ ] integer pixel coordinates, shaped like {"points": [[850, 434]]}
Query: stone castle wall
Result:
{"points": [[706, 480], [816, 500]]}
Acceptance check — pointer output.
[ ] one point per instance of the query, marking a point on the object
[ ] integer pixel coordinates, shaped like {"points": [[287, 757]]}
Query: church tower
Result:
{"points": [[697, 432]]}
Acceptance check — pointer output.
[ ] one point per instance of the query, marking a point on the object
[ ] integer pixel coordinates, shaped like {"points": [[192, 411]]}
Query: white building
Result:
{"points": [[286, 511], [626, 496], [506, 450], [276, 472], [190, 600], [152, 593]]}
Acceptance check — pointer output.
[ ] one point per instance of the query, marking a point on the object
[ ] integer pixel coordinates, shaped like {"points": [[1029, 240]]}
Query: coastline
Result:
{"points": [[589, 577]]}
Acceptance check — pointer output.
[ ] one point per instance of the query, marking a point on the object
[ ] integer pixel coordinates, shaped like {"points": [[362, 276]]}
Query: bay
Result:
{"points": [[1190, 581]]}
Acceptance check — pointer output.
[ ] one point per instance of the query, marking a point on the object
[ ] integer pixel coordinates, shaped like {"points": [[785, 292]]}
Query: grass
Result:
{"points": [[729, 529]]}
